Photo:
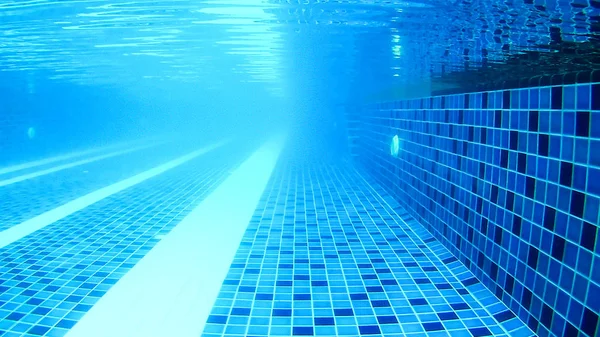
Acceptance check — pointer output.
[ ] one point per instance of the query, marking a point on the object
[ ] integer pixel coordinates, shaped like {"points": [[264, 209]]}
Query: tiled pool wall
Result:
{"points": [[509, 181]]}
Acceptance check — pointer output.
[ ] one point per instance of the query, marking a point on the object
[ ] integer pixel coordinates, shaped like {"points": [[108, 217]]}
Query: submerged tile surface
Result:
{"points": [[26, 199], [51, 278], [328, 253], [509, 181]]}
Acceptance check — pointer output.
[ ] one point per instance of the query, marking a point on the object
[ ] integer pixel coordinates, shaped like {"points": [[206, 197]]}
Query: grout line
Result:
{"points": [[19, 231], [172, 289]]}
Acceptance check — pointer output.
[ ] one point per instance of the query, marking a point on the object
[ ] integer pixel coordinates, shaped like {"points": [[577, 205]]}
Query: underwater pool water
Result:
{"points": [[299, 168]]}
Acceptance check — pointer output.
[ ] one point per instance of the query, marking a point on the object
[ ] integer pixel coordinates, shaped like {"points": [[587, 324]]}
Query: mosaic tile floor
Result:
{"points": [[26, 199], [328, 253], [51, 278]]}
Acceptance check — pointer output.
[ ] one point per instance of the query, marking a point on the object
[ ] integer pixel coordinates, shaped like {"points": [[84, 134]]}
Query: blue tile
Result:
{"points": [[343, 312], [39, 330], [217, 319], [319, 321], [433, 326], [302, 331], [418, 301], [583, 97], [369, 330], [240, 311], [569, 97], [595, 124], [538, 157], [15, 316], [387, 319]]}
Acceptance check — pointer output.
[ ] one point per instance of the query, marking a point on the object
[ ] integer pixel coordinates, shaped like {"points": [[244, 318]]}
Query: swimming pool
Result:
{"points": [[299, 168]]}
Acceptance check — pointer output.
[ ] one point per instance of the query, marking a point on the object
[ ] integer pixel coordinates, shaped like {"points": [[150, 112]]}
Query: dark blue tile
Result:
{"points": [[343, 312], [460, 306], [417, 301], [387, 319], [324, 321], [380, 303], [302, 297], [589, 322], [360, 296], [375, 289], [369, 330], [480, 332], [302, 331], [433, 326], [282, 312], [445, 316], [15, 316]]}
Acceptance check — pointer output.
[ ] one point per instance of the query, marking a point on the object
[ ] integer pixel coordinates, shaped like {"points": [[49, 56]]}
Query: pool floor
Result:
{"points": [[326, 252], [329, 253]]}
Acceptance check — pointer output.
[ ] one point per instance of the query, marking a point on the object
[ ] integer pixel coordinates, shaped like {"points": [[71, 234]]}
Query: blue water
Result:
{"points": [[299, 168]]}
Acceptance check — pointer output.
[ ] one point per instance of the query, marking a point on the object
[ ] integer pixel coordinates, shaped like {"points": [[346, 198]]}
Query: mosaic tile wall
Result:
{"points": [[328, 253], [509, 181]]}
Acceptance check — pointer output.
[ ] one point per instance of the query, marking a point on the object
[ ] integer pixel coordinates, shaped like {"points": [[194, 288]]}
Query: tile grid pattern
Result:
{"points": [[326, 255], [26, 199], [509, 181], [50, 279]]}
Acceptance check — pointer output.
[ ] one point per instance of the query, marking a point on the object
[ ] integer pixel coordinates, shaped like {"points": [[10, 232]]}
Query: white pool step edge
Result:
{"points": [[171, 290], [23, 229]]}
